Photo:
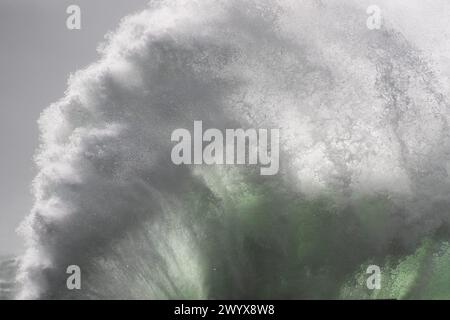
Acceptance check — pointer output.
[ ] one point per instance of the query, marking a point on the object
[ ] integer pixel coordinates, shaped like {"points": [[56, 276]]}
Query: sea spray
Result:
{"points": [[363, 160]]}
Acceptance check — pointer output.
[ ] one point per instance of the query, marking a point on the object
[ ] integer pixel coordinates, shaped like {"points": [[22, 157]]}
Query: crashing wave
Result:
{"points": [[363, 122]]}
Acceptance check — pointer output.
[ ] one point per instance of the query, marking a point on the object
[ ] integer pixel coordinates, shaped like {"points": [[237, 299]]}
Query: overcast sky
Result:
{"points": [[37, 54]]}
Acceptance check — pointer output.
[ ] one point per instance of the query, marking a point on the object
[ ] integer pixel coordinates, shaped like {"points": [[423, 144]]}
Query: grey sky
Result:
{"points": [[37, 54]]}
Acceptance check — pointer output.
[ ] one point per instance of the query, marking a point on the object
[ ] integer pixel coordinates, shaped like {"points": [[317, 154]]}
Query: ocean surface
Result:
{"points": [[8, 269]]}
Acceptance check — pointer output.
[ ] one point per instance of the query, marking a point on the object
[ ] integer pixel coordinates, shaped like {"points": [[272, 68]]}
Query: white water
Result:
{"points": [[363, 115]]}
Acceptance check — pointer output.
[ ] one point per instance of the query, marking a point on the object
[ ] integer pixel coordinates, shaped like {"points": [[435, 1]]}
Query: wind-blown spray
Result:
{"points": [[363, 175]]}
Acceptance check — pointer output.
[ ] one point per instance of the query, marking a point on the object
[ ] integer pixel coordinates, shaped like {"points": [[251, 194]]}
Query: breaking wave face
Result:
{"points": [[364, 168]]}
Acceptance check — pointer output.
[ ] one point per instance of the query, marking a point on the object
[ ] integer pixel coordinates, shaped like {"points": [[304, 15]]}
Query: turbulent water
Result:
{"points": [[365, 159]]}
